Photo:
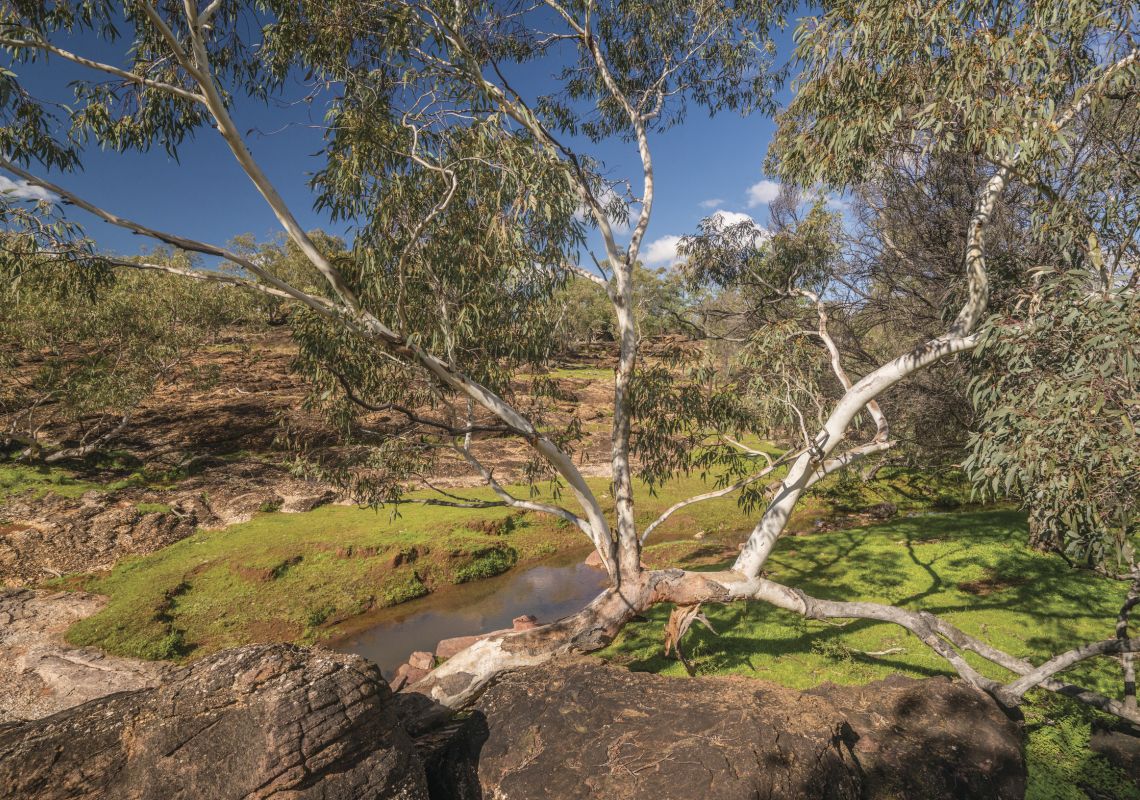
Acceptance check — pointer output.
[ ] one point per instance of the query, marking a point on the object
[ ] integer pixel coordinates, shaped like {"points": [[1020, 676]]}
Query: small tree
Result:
{"points": [[89, 357], [465, 195]]}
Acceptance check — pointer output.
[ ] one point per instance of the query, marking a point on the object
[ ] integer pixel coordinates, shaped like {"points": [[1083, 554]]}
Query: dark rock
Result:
{"points": [[585, 730], [883, 511], [252, 722], [932, 738], [1120, 745], [580, 729], [450, 754]]}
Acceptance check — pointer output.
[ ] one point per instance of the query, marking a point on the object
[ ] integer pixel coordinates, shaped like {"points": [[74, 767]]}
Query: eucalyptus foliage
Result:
{"points": [[1059, 395], [916, 109]]}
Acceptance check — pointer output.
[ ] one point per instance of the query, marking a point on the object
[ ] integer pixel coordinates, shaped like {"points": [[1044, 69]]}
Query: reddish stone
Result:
{"points": [[525, 622], [449, 647], [594, 560], [421, 659], [406, 675]]}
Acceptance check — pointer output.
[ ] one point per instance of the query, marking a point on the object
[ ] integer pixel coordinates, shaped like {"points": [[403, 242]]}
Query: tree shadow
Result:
{"points": [[924, 572]]}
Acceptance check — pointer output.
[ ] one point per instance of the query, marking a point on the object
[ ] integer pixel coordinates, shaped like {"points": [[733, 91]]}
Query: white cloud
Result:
{"points": [[22, 190], [715, 202], [727, 218], [661, 251], [763, 192], [831, 200]]}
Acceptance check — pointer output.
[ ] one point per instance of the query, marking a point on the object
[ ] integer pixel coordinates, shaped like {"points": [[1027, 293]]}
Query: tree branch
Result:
{"points": [[126, 75], [531, 505]]}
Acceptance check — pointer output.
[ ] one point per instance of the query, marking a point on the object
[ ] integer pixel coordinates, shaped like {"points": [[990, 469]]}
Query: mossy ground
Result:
{"points": [[294, 577], [291, 577], [18, 479]]}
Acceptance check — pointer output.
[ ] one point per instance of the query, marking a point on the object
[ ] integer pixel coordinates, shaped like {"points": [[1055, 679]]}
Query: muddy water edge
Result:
{"points": [[549, 589]]}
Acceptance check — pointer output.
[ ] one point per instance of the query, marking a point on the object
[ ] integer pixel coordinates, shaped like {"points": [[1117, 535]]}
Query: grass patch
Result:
{"points": [[153, 508], [18, 479], [292, 577], [487, 564], [271, 578], [402, 585], [1033, 606]]}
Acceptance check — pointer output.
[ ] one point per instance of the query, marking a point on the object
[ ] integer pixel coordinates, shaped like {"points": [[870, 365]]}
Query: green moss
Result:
{"points": [[340, 561], [330, 563], [400, 586], [18, 479], [153, 508], [487, 564], [906, 489], [1062, 767]]}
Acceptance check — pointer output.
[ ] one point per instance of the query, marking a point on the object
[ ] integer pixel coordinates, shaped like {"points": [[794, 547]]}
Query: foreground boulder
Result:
{"points": [[282, 721], [583, 729], [932, 738], [258, 721]]}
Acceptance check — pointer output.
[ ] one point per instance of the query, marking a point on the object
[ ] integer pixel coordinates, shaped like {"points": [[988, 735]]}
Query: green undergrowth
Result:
{"points": [[19, 479], [296, 577], [972, 569], [292, 577]]}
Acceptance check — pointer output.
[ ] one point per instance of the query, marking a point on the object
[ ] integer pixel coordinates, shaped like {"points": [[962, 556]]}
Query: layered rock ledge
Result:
{"points": [[278, 720]]}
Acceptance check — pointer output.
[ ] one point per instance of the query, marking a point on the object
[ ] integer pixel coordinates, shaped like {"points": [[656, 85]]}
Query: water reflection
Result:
{"points": [[549, 591]]}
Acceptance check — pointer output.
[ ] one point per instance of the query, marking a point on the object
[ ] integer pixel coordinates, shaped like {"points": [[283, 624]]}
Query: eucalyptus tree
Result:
{"points": [[469, 196]]}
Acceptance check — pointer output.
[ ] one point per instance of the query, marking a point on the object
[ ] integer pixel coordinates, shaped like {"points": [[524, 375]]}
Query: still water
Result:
{"points": [[548, 591]]}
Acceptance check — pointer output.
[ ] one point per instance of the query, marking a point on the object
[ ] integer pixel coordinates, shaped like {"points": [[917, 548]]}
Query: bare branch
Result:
{"points": [[750, 451], [126, 75], [451, 430], [92, 446], [837, 362], [531, 505], [700, 498]]}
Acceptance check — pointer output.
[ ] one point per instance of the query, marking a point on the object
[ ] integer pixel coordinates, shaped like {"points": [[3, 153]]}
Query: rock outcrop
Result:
{"points": [[278, 720], [52, 535], [254, 722], [40, 673], [933, 738], [583, 729]]}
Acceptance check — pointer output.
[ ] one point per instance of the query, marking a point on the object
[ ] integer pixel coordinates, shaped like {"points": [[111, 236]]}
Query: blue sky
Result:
{"points": [[704, 165]]}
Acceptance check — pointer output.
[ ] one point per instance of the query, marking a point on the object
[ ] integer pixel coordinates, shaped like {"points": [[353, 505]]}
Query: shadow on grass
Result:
{"points": [[1029, 604]]}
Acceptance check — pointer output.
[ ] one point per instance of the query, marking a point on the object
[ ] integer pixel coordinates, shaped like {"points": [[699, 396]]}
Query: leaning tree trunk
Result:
{"points": [[458, 681]]}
